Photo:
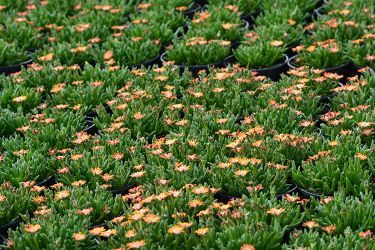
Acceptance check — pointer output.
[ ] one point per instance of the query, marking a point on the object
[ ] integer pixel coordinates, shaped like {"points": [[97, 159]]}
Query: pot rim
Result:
{"points": [[294, 66], [29, 60], [162, 58]]}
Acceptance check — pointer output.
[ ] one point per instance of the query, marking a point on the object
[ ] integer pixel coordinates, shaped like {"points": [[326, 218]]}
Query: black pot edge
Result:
{"points": [[16, 67], [11, 225], [294, 66], [293, 188], [194, 66], [123, 190], [307, 193]]}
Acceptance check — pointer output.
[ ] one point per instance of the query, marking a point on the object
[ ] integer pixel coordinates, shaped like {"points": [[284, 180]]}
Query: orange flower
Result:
{"points": [[62, 194], [276, 211], [310, 224], [241, 173], [180, 167], [151, 218], [85, 211], [196, 203], [333, 143], [79, 236], [97, 230], [329, 228], [78, 183], [276, 43], [96, 171], [256, 188], [2, 198], [326, 200], [108, 233], [19, 99], [118, 156], [307, 123], [201, 190], [138, 116], [291, 22], [76, 157], [181, 8], [176, 230], [137, 174], [228, 26], [47, 58], [311, 48], [291, 198], [37, 199], [360, 156], [130, 234], [161, 78], [201, 231], [107, 177], [247, 247], [96, 83], [82, 27], [136, 244], [365, 234], [79, 49], [30, 228]]}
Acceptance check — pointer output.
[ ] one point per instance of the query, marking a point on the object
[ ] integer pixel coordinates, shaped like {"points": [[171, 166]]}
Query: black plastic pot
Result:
{"points": [[319, 12], [91, 128], [124, 190], [49, 181], [82, 65], [292, 189], [224, 198], [306, 194], [12, 225], [31, 50], [201, 2], [195, 69], [244, 27], [347, 69], [190, 12], [250, 17], [289, 50], [149, 63], [274, 72], [7, 70]]}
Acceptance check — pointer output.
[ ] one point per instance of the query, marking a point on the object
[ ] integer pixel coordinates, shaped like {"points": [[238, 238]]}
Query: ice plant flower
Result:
{"points": [[276, 211], [61, 195], [79, 236], [201, 231], [176, 230], [32, 228], [247, 247], [136, 244]]}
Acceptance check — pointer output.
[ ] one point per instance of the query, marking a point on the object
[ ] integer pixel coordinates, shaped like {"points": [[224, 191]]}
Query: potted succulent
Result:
{"points": [[130, 51], [266, 58], [69, 230], [15, 203], [18, 97], [290, 35], [10, 121], [223, 25], [197, 53], [24, 34], [334, 170], [12, 58], [66, 54], [245, 8], [327, 55], [361, 52]]}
